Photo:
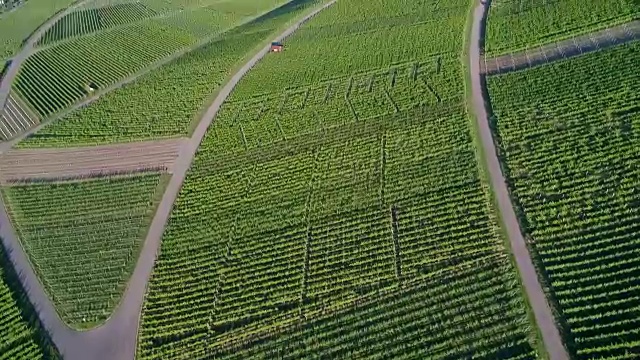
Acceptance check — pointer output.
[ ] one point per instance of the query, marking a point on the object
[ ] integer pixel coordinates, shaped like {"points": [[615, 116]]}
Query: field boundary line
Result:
{"points": [[575, 46], [542, 311], [117, 338]]}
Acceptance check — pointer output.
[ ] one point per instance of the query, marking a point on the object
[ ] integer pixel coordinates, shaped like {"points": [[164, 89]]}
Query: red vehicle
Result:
{"points": [[276, 47]]}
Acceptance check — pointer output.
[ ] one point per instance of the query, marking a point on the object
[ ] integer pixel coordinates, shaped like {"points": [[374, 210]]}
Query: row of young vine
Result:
{"points": [[335, 208], [83, 238], [515, 25], [570, 137]]}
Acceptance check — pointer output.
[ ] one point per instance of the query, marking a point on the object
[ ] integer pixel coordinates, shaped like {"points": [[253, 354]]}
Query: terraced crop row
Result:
{"points": [[259, 120], [320, 223], [516, 24], [17, 25], [15, 118], [337, 211], [21, 337], [570, 137], [83, 238], [86, 21], [58, 76], [165, 102]]}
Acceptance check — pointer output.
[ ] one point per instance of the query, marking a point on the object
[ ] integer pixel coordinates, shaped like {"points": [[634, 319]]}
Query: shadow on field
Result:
{"points": [[28, 313], [274, 14]]}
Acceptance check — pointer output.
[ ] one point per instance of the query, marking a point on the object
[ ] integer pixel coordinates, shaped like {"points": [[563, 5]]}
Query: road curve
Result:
{"points": [[541, 309], [575, 46], [116, 339], [27, 49]]}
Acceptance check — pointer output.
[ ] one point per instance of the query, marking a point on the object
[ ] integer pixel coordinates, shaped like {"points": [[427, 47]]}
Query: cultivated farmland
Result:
{"points": [[141, 111], [515, 24], [335, 208], [58, 76], [20, 335], [89, 20], [17, 25], [570, 137], [83, 238]]}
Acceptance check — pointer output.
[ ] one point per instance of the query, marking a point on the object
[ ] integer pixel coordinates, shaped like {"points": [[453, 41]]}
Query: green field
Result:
{"points": [[204, 17], [140, 110], [335, 208], [85, 21], [83, 238], [514, 25], [55, 77], [17, 25], [21, 337], [570, 137]]}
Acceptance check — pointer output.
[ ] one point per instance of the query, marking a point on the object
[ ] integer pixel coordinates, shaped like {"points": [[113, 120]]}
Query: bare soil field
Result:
{"points": [[42, 164]]}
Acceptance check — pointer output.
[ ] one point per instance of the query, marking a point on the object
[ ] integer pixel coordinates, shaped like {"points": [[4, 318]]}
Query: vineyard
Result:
{"points": [[515, 24], [335, 208], [204, 17], [86, 21], [58, 76], [570, 137], [140, 110], [83, 238], [17, 25], [21, 338]]}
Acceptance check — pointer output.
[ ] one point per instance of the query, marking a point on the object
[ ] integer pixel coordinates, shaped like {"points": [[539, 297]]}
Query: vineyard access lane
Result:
{"points": [[116, 339], [62, 163], [564, 49], [541, 309]]}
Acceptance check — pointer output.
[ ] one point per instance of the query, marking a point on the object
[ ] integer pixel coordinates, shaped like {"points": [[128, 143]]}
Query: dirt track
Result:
{"points": [[562, 49], [36, 164], [116, 339], [541, 310]]}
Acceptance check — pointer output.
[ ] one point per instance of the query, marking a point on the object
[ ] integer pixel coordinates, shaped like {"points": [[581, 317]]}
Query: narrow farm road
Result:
{"points": [[116, 339], [564, 49], [27, 50], [541, 310]]}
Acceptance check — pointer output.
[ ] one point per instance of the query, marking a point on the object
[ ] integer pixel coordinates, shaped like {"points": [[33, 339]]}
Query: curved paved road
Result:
{"points": [[541, 310], [27, 49], [565, 49], [116, 339]]}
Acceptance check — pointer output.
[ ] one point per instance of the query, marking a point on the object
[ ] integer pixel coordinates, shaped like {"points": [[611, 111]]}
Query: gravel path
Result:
{"points": [[39, 164], [116, 339], [541, 310], [565, 49]]}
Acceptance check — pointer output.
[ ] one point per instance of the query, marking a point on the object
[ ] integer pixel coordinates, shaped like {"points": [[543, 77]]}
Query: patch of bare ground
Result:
{"points": [[22, 165]]}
